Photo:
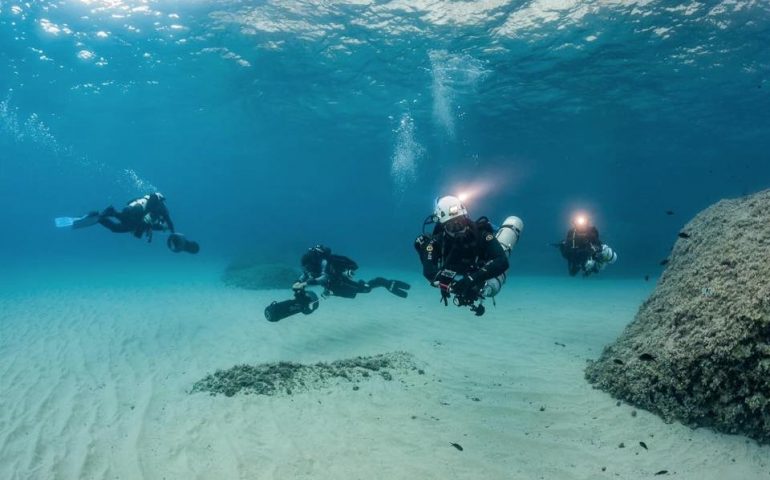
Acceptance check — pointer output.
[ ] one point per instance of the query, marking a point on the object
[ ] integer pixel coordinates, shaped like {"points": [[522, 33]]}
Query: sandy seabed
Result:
{"points": [[96, 370]]}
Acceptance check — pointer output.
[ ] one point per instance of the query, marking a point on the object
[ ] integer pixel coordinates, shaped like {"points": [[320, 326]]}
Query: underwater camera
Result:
{"points": [[303, 301], [446, 280]]}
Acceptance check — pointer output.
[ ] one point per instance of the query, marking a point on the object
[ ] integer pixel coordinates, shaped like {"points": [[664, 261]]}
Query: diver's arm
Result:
{"points": [[165, 217], [593, 239], [321, 279], [427, 249], [496, 264]]}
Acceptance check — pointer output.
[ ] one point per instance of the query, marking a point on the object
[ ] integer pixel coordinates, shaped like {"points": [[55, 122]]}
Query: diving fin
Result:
{"points": [[77, 222], [64, 222], [398, 292], [396, 287], [87, 221]]}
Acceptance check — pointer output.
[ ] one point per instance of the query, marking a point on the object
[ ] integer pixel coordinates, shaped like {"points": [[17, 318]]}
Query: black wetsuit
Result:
{"points": [[334, 272], [478, 253], [580, 246], [140, 216]]}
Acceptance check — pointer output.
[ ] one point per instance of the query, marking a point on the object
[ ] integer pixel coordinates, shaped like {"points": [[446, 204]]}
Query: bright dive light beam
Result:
{"points": [[463, 196]]}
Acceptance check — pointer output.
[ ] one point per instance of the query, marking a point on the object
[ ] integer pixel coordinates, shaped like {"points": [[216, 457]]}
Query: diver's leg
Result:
{"points": [[573, 268], [341, 288], [113, 226], [396, 287]]}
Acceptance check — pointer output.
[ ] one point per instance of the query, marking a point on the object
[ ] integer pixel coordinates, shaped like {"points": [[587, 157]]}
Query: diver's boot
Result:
{"points": [[378, 282]]}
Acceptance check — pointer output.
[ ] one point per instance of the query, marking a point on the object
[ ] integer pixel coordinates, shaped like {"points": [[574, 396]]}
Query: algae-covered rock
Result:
{"points": [[290, 377], [698, 350], [253, 274]]}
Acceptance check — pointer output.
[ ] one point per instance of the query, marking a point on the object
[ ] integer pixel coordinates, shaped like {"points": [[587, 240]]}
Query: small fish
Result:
{"points": [[644, 445], [559, 344], [618, 361], [664, 262], [662, 472], [457, 446], [646, 357], [683, 235], [669, 212], [646, 278]]}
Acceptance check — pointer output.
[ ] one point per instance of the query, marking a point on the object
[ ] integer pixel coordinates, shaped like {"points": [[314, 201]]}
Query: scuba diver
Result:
{"points": [[335, 274], [466, 258], [141, 217], [583, 249]]}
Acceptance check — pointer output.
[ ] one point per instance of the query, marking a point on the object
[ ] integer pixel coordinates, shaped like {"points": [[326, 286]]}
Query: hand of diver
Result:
{"points": [[462, 286], [299, 285]]}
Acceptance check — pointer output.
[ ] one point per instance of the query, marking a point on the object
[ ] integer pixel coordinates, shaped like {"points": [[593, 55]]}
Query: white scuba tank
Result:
{"points": [[508, 235], [607, 256]]}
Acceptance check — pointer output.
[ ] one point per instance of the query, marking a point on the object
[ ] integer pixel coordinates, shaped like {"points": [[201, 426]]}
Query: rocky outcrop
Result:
{"points": [[289, 377], [698, 350]]}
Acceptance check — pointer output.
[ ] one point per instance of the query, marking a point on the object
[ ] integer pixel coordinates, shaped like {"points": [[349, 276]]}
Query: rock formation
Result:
{"points": [[289, 377], [253, 274], [698, 350]]}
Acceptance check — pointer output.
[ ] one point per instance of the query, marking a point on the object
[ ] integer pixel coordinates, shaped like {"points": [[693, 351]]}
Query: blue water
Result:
{"points": [[272, 126]]}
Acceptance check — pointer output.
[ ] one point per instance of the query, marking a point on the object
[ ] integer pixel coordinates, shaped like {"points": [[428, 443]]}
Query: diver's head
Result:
{"points": [[452, 215], [156, 197], [314, 255]]}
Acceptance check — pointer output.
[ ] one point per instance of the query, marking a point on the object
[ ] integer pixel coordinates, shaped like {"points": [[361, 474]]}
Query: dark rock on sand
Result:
{"points": [[290, 377], [253, 274], [698, 350]]}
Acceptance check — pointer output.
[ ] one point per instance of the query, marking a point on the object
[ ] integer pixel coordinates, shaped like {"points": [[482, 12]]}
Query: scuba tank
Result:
{"points": [[607, 255], [508, 235]]}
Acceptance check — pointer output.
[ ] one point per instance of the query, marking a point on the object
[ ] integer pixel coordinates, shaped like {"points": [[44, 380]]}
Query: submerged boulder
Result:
{"points": [[254, 274], [698, 350]]}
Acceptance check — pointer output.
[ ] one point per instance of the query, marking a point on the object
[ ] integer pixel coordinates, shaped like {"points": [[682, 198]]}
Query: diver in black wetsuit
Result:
{"points": [[141, 217], [464, 257], [334, 273], [583, 249]]}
